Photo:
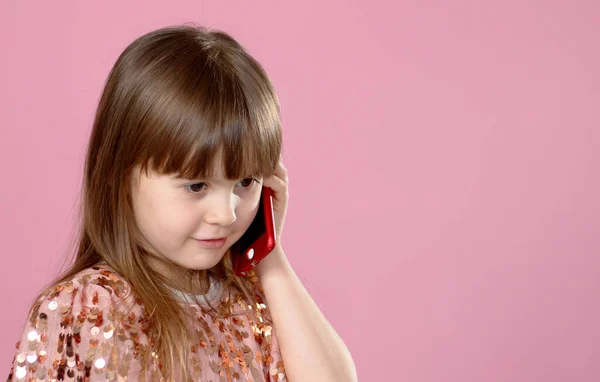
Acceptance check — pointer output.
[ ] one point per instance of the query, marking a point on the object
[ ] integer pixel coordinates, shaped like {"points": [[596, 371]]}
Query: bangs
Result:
{"points": [[209, 114]]}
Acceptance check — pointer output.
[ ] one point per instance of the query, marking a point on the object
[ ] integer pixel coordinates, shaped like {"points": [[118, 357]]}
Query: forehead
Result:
{"points": [[219, 166], [154, 171], [217, 174]]}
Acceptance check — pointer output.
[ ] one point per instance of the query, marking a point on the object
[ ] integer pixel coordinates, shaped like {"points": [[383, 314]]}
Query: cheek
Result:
{"points": [[166, 219], [177, 219], [247, 212]]}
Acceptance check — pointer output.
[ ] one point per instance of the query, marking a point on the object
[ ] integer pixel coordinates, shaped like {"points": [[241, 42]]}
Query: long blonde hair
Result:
{"points": [[173, 99]]}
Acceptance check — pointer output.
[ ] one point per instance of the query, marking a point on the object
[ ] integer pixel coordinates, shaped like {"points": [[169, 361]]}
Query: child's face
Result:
{"points": [[173, 213]]}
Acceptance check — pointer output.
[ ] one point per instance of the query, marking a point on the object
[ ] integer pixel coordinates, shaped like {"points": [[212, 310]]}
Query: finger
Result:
{"points": [[275, 183], [281, 171]]}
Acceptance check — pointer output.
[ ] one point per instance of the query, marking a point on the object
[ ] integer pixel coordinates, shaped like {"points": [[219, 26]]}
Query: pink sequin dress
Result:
{"points": [[86, 329]]}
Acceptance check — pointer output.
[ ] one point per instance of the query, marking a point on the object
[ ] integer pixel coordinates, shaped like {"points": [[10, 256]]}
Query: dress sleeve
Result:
{"points": [[82, 331], [276, 369], [274, 361]]}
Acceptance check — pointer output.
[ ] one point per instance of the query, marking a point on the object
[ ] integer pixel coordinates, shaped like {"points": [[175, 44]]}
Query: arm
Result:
{"points": [[310, 347]]}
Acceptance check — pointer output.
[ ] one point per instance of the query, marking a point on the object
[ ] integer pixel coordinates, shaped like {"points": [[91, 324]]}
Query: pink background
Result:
{"points": [[443, 164]]}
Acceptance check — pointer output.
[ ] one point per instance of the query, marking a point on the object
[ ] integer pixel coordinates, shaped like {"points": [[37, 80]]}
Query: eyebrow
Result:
{"points": [[179, 177]]}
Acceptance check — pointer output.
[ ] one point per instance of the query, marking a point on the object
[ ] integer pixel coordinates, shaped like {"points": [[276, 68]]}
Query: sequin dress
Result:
{"points": [[90, 329]]}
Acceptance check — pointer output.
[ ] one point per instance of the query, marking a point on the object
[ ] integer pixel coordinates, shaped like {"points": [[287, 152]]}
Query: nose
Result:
{"points": [[221, 210]]}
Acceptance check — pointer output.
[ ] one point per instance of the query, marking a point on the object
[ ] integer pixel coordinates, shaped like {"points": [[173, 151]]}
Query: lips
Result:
{"points": [[213, 243]]}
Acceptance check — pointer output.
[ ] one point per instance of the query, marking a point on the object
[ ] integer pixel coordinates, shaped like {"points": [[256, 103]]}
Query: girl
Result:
{"points": [[186, 133]]}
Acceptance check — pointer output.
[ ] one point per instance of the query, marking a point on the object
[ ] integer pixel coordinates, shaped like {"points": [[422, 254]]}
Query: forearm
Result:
{"points": [[311, 348]]}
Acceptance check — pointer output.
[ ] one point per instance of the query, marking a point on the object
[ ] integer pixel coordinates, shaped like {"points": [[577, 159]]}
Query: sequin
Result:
{"points": [[87, 329], [69, 287], [21, 358], [64, 309], [41, 373], [32, 335], [108, 331], [100, 363], [32, 358], [21, 372]]}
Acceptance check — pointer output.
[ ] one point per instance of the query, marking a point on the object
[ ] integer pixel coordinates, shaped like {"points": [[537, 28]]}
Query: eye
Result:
{"points": [[249, 182], [197, 188]]}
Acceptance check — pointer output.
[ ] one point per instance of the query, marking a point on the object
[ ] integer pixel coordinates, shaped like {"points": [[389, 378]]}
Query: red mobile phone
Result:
{"points": [[259, 240]]}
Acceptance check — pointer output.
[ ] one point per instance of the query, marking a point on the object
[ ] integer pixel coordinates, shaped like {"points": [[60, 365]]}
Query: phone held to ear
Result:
{"points": [[259, 240]]}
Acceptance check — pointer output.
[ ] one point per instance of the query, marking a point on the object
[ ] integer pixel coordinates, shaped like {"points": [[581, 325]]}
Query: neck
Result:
{"points": [[185, 280]]}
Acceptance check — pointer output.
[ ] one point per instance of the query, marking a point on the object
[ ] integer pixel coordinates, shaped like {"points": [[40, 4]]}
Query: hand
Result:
{"points": [[279, 184]]}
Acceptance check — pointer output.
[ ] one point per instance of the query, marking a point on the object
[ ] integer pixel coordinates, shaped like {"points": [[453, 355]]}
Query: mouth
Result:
{"points": [[212, 243]]}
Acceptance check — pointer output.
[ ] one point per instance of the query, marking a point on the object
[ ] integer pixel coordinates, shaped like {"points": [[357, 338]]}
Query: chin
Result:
{"points": [[202, 263]]}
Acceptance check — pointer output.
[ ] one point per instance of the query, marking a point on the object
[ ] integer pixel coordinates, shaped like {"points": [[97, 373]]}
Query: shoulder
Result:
{"points": [[77, 327], [93, 290]]}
